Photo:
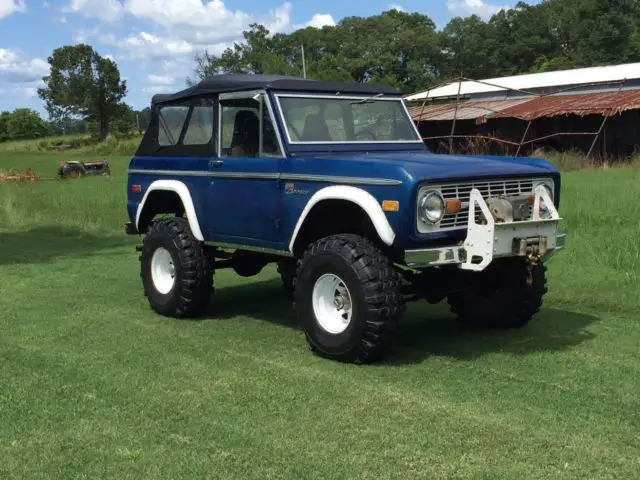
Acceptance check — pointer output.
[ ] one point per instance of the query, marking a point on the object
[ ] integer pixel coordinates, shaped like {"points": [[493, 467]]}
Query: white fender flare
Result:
{"points": [[355, 195], [183, 192]]}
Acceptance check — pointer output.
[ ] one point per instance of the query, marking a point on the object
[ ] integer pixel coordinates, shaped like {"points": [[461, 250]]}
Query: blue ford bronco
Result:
{"points": [[333, 183]]}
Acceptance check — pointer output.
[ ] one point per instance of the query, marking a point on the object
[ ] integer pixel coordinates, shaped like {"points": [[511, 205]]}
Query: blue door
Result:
{"points": [[245, 201]]}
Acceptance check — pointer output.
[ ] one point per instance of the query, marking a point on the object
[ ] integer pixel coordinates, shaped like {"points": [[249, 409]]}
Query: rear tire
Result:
{"points": [[503, 300], [175, 271], [348, 299]]}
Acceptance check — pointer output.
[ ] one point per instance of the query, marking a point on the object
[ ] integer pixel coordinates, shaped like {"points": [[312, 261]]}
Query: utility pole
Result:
{"points": [[304, 64]]}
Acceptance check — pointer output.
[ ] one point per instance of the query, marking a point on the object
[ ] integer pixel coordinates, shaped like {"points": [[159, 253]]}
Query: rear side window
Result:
{"points": [[171, 119], [184, 129], [200, 129]]}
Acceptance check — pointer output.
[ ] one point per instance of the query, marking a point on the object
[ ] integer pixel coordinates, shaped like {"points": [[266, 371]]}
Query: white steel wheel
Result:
{"points": [[332, 303], [163, 271]]}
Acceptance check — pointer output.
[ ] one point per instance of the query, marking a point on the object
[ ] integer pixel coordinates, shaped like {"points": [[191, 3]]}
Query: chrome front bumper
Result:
{"points": [[484, 242]]}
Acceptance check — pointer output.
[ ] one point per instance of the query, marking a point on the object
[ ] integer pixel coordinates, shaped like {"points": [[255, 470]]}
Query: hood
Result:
{"points": [[420, 166]]}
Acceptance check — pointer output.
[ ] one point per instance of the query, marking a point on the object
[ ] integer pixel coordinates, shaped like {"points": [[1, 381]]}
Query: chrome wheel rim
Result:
{"points": [[163, 271], [332, 305]]}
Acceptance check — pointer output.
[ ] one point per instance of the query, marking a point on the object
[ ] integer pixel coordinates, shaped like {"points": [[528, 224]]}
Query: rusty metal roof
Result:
{"points": [[467, 110], [597, 103], [528, 108]]}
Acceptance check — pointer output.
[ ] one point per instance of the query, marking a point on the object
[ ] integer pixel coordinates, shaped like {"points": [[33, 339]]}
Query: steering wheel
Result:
{"points": [[366, 133]]}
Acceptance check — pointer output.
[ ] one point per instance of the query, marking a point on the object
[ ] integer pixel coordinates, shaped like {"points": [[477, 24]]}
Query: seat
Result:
{"points": [[315, 129], [246, 134]]}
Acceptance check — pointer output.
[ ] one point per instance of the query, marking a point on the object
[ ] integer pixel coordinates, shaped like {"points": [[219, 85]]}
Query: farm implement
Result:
{"points": [[14, 176]]}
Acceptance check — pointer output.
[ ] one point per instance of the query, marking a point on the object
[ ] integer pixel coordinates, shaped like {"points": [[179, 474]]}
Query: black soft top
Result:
{"points": [[238, 82]]}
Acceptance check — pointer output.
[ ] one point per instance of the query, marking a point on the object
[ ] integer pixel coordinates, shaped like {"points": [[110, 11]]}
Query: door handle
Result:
{"points": [[216, 163]]}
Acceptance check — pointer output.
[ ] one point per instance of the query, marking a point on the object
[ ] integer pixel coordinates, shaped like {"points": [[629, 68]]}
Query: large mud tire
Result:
{"points": [[373, 291], [504, 299], [175, 271]]}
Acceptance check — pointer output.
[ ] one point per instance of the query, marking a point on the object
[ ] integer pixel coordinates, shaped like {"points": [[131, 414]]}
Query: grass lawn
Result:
{"points": [[94, 385]]}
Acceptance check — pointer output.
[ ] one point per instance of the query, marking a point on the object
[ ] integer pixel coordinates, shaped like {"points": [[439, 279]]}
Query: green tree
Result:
{"points": [[26, 123], [258, 54], [406, 50], [4, 126], [550, 35], [68, 126], [394, 47], [83, 83], [143, 117]]}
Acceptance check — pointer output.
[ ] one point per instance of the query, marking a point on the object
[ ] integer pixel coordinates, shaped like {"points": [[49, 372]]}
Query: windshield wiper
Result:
{"points": [[366, 100]]}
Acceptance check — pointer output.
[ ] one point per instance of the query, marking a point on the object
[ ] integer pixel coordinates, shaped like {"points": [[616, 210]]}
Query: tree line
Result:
{"points": [[407, 51], [403, 49], [26, 124]]}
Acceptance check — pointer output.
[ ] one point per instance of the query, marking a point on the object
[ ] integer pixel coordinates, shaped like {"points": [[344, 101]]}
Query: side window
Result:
{"points": [[200, 129], [171, 119], [296, 114], [240, 127], [241, 134], [334, 118]]}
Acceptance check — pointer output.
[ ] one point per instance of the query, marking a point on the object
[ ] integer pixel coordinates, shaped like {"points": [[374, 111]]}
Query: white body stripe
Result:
{"points": [[183, 192], [351, 194]]}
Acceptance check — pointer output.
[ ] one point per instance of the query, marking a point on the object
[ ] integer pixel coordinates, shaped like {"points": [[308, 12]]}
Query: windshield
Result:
{"points": [[345, 120]]}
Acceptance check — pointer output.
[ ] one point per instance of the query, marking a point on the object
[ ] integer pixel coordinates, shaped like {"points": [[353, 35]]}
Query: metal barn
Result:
{"points": [[592, 110]]}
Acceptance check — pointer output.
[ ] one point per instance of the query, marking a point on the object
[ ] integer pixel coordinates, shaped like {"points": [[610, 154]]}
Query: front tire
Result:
{"points": [[503, 299], [348, 299], [176, 274]]}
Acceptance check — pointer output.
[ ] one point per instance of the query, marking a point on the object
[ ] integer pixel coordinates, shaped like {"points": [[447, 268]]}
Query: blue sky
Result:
{"points": [[154, 41]]}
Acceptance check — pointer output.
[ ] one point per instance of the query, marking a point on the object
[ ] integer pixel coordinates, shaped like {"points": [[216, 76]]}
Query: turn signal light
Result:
{"points": [[136, 188], [453, 206], [391, 205]]}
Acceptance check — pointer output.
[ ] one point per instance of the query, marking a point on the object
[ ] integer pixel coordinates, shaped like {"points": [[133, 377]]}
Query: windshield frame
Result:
{"points": [[373, 98]]}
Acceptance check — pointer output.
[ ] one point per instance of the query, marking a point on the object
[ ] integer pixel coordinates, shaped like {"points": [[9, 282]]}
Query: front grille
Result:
{"points": [[490, 188]]}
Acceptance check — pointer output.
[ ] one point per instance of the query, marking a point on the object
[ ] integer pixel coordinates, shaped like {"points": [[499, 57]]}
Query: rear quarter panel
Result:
{"points": [[197, 185]]}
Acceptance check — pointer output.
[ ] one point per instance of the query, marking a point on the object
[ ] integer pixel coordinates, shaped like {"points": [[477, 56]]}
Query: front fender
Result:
{"points": [[360, 197]]}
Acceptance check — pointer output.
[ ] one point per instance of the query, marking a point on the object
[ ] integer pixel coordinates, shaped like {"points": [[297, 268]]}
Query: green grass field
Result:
{"points": [[94, 385]]}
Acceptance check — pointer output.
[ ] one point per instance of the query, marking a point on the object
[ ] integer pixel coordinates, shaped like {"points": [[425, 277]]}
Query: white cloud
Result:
{"points": [[20, 76], [83, 35], [30, 92], [319, 20], [192, 13], [160, 79], [395, 6], [198, 22], [205, 23], [15, 68], [9, 7], [466, 8], [107, 10], [178, 29], [153, 89], [147, 45]]}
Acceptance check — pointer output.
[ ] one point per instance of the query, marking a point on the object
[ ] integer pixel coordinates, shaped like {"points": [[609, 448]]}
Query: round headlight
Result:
{"points": [[547, 188], [431, 207], [544, 209]]}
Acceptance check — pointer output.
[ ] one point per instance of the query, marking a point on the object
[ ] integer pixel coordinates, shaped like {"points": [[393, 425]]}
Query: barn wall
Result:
{"points": [[620, 137]]}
